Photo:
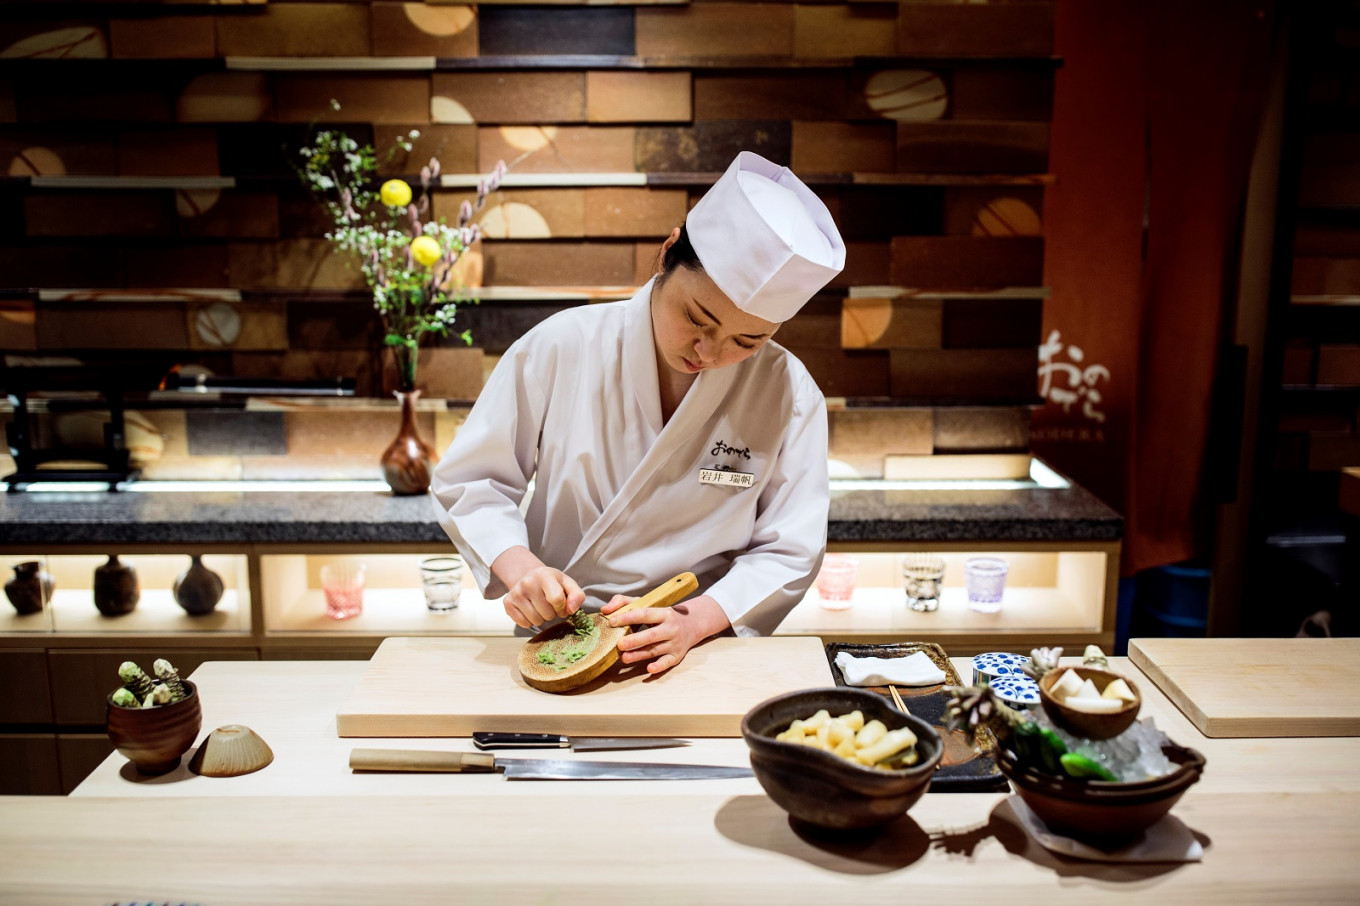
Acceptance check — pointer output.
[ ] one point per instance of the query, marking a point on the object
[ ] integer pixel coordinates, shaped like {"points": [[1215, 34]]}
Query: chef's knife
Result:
{"points": [[578, 743], [533, 768]]}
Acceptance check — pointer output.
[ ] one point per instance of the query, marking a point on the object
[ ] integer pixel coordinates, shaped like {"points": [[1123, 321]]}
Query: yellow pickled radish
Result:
{"points": [[395, 193], [1068, 684], [425, 250], [1120, 690]]}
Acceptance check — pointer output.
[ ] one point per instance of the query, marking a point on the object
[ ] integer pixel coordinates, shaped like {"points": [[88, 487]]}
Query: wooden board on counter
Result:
{"points": [[1258, 687], [453, 686]]}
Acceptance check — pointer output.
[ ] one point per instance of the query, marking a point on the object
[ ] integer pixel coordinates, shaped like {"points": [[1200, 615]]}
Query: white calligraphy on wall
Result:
{"points": [[1068, 382]]}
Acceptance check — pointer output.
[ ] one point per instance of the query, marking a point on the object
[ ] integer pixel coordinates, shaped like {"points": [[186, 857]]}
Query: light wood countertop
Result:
{"points": [[1281, 818]]}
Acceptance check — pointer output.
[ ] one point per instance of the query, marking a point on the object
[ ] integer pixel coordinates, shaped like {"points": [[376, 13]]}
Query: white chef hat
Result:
{"points": [[764, 238]]}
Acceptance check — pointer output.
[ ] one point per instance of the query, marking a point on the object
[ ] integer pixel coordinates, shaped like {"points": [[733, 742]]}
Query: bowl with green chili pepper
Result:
{"points": [[1077, 798]]}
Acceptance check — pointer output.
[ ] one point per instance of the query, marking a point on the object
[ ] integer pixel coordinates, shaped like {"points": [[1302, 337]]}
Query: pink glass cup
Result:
{"points": [[344, 587], [836, 581]]}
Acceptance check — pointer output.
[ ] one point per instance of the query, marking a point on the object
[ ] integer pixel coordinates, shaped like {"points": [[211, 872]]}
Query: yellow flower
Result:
{"points": [[425, 250], [395, 193]]}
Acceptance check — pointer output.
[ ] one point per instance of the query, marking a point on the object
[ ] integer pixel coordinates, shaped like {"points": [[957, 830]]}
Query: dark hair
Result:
{"points": [[680, 254]]}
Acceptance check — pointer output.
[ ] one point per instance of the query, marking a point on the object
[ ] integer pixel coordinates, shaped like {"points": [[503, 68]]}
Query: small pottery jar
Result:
{"points": [[153, 739], [116, 589], [198, 589], [31, 588]]}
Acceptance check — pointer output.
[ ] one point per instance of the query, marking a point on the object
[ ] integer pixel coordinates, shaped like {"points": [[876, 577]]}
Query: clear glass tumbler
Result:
{"points": [[836, 581], [344, 587], [922, 576], [442, 578], [986, 580]]}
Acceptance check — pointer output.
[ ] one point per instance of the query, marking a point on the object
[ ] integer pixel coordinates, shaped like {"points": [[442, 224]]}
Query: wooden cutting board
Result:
{"points": [[452, 686], [1258, 687]]}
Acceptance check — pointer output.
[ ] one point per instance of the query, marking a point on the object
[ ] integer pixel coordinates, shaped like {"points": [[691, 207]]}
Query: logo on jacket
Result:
{"points": [[720, 449]]}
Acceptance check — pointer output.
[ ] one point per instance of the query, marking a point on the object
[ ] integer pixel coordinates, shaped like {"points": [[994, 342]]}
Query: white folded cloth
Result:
{"points": [[1169, 840], [914, 670]]}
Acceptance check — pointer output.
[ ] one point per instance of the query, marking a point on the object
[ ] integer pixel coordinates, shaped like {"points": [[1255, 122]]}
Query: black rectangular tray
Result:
{"points": [[963, 769]]}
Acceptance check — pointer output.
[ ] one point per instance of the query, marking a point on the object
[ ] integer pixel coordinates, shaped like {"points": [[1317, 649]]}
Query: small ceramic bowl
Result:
{"points": [[1094, 809], [1084, 723], [824, 789], [153, 739], [1020, 692], [995, 664]]}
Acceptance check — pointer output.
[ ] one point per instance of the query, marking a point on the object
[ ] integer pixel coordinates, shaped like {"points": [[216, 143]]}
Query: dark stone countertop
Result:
{"points": [[36, 519]]}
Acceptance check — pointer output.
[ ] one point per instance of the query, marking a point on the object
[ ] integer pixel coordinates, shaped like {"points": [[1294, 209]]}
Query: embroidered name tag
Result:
{"points": [[725, 478]]}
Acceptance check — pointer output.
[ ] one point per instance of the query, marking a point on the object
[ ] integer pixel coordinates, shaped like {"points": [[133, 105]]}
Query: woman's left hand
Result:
{"points": [[672, 631]]}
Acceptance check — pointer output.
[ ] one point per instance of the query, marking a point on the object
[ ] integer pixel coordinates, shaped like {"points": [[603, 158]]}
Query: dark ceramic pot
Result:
{"points": [[31, 588], [153, 739], [198, 589], [116, 588], [824, 789], [1100, 810], [408, 462]]}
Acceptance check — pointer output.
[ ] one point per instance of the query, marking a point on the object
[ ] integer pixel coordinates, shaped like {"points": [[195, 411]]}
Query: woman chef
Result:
{"points": [[663, 434]]}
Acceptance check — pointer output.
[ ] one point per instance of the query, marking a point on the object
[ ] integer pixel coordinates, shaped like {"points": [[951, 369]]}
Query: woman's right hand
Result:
{"points": [[541, 595], [538, 593]]}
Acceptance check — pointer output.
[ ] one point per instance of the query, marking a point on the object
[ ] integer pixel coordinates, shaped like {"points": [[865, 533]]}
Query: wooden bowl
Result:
{"points": [[153, 739], [1083, 723], [824, 789], [1095, 809]]}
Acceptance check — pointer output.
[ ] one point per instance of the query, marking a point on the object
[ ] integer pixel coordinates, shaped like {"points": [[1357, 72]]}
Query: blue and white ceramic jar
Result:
{"points": [[1020, 692], [994, 664]]}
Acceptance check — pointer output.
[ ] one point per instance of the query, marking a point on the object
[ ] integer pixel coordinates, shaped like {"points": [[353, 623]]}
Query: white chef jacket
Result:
{"points": [[618, 504]]}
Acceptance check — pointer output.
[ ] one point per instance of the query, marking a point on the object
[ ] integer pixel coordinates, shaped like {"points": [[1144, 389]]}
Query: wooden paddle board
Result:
{"points": [[444, 686], [1258, 687]]}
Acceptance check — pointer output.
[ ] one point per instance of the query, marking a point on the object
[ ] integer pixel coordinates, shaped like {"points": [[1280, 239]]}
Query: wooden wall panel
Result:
{"points": [[794, 95], [972, 147], [843, 148], [715, 30], [708, 147], [560, 264], [183, 151], [87, 214], [417, 29], [853, 30], [226, 97], [949, 262], [842, 372], [454, 146], [296, 30], [557, 149], [182, 37], [1023, 29], [638, 97], [972, 429], [996, 376], [902, 323], [371, 98], [564, 29], [623, 212], [112, 325], [523, 213], [992, 323], [509, 97], [54, 152]]}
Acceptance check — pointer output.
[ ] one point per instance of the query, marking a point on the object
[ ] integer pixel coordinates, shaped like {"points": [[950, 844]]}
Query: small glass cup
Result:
{"points": [[922, 576], [344, 587], [442, 578], [985, 578], [836, 581]]}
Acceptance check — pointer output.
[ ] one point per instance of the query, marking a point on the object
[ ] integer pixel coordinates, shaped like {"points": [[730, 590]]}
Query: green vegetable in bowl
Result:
{"points": [[123, 698], [137, 682]]}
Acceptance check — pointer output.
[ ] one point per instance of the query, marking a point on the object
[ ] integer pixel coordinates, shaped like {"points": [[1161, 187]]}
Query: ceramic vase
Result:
{"points": [[31, 588], [198, 589], [116, 588], [408, 462]]}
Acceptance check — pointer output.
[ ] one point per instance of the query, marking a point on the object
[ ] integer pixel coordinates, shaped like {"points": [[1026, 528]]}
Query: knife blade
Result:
{"points": [[494, 740], [410, 760]]}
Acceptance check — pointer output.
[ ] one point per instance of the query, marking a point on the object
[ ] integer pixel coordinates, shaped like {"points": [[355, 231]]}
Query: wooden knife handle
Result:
{"points": [[665, 594], [426, 762]]}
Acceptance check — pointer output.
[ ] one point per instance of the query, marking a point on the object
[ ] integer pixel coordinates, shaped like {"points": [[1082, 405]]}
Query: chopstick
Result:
{"points": [[897, 699]]}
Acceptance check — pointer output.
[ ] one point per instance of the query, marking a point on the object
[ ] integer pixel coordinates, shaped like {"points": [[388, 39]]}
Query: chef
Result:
{"points": [[662, 434]]}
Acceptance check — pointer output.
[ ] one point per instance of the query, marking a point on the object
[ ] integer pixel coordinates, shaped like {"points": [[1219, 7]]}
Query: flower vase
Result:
{"points": [[408, 462], [198, 589]]}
